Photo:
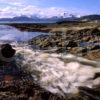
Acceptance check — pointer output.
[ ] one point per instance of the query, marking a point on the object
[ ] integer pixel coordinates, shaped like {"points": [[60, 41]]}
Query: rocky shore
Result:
{"points": [[58, 26], [51, 76], [81, 38], [58, 77], [23, 89], [30, 91], [81, 42]]}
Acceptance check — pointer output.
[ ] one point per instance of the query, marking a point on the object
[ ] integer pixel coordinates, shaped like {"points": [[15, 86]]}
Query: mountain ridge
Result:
{"points": [[52, 19]]}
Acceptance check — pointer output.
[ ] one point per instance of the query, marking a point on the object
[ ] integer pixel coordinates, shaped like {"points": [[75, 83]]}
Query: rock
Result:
{"points": [[79, 42], [96, 47], [95, 31], [72, 44], [24, 89], [93, 55], [86, 39], [92, 94]]}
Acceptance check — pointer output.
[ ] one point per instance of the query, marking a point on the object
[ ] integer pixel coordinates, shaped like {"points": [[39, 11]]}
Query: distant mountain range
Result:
{"points": [[90, 17], [52, 19]]}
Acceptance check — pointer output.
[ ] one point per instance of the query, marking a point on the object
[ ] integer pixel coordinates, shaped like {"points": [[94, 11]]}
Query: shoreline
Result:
{"points": [[78, 38], [49, 61], [54, 27]]}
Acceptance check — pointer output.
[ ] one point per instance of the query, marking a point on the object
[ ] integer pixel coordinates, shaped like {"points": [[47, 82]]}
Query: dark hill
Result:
{"points": [[90, 17]]}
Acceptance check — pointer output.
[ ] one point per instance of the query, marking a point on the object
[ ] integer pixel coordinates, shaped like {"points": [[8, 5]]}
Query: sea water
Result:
{"points": [[9, 33], [57, 73]]}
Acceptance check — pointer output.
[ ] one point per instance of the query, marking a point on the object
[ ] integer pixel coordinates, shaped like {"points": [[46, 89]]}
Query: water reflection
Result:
{"points": [[8, 33], [82, 44]]}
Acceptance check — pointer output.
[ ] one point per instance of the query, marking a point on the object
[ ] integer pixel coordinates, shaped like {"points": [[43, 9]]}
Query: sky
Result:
{"points": [[48, 8]]}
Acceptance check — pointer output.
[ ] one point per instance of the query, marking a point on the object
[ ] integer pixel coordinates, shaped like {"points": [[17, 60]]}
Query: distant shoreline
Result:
{"points": [[53, 27], [66, 36]]}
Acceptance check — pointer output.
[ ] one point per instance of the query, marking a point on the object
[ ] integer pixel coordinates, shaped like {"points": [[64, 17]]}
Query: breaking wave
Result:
{"points": [[58, 73]]}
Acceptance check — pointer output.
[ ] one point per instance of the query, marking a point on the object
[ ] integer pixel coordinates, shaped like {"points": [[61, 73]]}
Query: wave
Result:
{"points": [[57, 73]]}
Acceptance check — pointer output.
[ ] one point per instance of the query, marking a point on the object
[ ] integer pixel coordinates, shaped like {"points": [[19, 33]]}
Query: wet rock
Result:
{"points": [[80, 42], [96, 47], [91, 94], [95, 31], [93, 55], [72, 44], [86, 39]]}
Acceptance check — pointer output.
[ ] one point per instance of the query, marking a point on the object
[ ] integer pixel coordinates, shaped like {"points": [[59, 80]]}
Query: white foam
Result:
{"points": [[56, 75]]}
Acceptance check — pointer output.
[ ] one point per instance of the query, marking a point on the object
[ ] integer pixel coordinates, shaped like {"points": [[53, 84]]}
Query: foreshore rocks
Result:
{"points": [[79, 42], [52, 71], [31, 27], [24, 90]]}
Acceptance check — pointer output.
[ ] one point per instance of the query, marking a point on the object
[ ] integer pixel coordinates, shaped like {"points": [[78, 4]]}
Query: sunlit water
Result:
{"points": [[8, 33], [84, 44]]}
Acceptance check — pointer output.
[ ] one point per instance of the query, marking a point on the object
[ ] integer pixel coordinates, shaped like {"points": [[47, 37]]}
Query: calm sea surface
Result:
{"points": [[9, 33]]}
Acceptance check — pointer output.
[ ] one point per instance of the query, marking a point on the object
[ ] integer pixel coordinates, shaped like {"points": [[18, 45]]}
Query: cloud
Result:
{"points": [[42, 12], [21, 7], [8, 12], [13, 2], [31, 11]]}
